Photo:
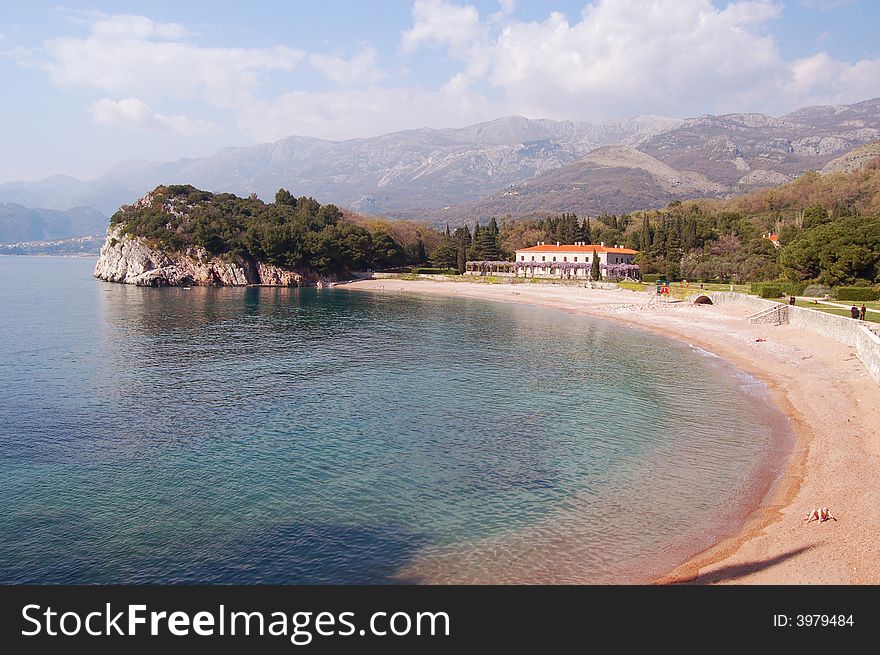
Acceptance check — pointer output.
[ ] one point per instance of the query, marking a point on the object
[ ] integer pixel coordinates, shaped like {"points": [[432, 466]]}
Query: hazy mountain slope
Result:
{"points": [[18, 223], [415, 173], [62, 192], [398, 172], [610, 179], [854, 159], [748, 150]]}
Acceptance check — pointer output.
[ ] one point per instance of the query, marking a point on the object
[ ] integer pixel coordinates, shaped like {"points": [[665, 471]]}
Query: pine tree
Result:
{"points": [[284, 197], [485, 243], [446, 254], [581, 232], [568, 230]]}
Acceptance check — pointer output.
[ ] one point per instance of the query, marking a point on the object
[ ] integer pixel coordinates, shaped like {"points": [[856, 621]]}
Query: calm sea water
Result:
{"points": [[330, 436]]}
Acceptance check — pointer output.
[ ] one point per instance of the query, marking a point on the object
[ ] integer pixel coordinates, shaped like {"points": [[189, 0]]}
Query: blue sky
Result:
{"points": [[96, 83]]}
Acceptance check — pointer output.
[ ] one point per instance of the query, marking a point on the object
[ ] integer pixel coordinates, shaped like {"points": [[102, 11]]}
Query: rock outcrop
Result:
{"points": [[132, 260]]}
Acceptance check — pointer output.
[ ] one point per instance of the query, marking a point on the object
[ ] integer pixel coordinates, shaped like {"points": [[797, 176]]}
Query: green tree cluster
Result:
{"points": [[298, 233]]}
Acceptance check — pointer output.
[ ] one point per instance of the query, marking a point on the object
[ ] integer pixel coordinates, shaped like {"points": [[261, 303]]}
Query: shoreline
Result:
{"points": [[825, 392]]}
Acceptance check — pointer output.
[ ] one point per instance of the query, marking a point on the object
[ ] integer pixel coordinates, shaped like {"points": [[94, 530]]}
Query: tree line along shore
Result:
{"points": [[819, 231]]}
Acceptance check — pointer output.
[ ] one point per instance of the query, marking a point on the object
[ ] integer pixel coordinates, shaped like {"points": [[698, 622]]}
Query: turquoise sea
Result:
{"points": [[331, 436]]}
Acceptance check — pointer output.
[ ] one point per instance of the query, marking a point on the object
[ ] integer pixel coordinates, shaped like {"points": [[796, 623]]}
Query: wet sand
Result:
{"points": [[819, 383]]}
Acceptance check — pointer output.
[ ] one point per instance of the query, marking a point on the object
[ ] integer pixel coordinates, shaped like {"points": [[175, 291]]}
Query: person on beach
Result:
{"points": [[862, 312], [820, 514], [854, 312]]}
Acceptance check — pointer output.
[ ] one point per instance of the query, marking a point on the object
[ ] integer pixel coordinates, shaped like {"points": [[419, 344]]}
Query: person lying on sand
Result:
{"points": [[820, 514]]}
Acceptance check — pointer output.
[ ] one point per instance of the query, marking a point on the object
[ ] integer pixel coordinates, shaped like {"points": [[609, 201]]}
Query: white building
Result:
{"points": [[573, 261]]}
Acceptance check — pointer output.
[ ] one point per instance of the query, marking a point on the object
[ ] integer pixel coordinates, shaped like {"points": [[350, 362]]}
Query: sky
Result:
{"points": [[89, 85]]}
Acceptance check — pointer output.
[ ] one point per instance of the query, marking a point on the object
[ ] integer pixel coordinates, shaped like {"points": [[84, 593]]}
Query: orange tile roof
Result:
{"points": [[572, 248]]}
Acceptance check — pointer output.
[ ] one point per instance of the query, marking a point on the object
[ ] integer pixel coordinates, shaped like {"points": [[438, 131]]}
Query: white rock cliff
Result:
{"points": [[132, 260]]}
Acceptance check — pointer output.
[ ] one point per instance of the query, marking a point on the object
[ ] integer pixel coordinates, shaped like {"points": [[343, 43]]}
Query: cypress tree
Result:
{"points": [[574, 227], [673, 236], [595, 272], [461, 240], [659, 244]]}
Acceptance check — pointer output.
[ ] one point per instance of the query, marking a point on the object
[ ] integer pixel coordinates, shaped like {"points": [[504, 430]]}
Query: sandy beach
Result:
{"points": [[819, 383]]}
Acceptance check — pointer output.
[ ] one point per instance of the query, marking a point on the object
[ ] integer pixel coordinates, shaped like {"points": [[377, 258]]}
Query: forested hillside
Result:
{"points": [[827, 228]]}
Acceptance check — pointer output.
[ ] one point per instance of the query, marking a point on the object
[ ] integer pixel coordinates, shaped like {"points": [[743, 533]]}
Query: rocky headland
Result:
{"points": [[181, 236], [132, 260]]}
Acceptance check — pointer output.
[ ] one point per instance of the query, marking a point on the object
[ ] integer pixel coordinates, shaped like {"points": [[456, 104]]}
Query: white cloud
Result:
{"points": [[130, 27], [445, 23], [623, 55], [821, 79], [134, 113], [629, 57], [618, 58], [353, 113], [136, 56], [358, 70], [505, 9]]}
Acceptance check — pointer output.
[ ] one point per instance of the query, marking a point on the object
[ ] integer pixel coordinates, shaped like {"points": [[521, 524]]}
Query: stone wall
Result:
{"points": [[846, 330], [841, 328]]}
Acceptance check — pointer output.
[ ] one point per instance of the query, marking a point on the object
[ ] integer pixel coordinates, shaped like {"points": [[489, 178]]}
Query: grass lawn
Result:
{"points": [[870, 304], [839, 311]]}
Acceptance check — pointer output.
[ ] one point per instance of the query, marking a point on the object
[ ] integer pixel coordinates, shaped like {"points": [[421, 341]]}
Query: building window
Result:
{"points": [[554, 259], [543, 259], [575, 258], [533, 258], [565, 259]]}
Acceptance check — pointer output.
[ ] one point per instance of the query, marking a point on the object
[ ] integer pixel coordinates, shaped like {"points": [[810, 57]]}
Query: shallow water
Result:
{"points": [[324, 435]]}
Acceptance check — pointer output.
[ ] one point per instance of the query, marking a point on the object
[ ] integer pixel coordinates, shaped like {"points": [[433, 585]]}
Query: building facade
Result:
{"points": [[574, 261]]}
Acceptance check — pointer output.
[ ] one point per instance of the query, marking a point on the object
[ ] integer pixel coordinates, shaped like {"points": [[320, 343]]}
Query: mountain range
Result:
{"points": [[20, 224], [510, 165]]}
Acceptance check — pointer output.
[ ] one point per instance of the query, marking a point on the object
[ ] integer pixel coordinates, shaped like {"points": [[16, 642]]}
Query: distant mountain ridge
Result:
{"points": [[19, 223], [456, 174]]}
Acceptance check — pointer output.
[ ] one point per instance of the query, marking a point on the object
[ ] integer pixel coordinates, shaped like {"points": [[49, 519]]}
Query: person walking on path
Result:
{"points": [[854, 312], [862, 312]]}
